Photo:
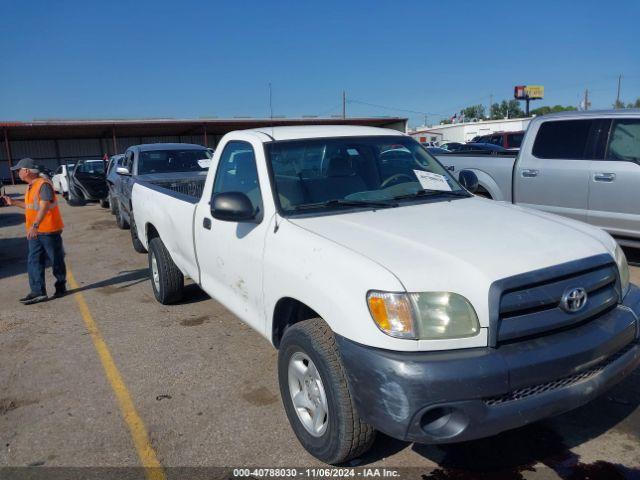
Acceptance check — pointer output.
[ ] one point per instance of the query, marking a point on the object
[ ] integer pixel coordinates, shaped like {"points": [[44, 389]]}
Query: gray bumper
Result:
{"points": [[453, 396]]}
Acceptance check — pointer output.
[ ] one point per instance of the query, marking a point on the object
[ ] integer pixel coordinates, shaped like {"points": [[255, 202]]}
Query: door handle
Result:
{"points": [[451, 168], [206, 223], [530, 172], [604, 177]]}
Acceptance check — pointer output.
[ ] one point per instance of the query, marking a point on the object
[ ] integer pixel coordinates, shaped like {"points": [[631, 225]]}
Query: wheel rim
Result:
{"points": [[155, 272], [307, 394]]}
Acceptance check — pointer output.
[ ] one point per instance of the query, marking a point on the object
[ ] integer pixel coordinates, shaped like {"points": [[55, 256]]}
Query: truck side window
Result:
{"points": [[237, 172], [624, 141], [565, 139]]}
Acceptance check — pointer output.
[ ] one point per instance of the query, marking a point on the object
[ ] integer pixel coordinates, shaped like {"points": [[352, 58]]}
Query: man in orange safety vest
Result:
{"points": [[44, 231]]}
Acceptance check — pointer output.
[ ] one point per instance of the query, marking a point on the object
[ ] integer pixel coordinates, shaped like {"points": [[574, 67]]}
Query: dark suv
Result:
{"points": [[509, 140]]}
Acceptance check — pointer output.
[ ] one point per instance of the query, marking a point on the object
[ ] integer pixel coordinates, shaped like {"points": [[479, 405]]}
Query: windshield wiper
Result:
{"points": [[345, 203], [428, 192]]}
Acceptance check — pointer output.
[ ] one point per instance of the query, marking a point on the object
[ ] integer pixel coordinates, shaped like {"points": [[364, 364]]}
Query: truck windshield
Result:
{"points": [[164, 161], [367, 171]]}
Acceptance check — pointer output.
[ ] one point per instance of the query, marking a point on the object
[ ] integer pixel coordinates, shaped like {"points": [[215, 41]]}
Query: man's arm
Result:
{"points": [[43, 208], [13, 202]]}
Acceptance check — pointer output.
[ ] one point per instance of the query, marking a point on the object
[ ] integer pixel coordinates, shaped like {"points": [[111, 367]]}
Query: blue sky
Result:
{"points": [[192, 59]]}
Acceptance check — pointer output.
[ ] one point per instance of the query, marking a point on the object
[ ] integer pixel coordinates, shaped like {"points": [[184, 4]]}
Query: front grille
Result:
{"points": [[531, 390], [534, 308]]}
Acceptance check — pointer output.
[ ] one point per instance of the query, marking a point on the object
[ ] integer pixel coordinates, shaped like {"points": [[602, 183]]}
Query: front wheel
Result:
{"points": [[135, 241], [120, 221], [167, 280], [316, 395]]}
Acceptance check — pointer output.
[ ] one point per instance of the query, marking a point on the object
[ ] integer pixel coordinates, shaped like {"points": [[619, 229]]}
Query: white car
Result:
{"points": [[60, 178], [398, 301]]}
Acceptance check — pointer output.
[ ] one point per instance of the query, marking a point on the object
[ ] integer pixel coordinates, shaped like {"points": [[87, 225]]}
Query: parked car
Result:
{"points": [[483, 148], [436, 150], [114, 162], [60, 178], [171, 164], [397, 300], [451, 146], [582, 165], [508, 140], [88, 183]]}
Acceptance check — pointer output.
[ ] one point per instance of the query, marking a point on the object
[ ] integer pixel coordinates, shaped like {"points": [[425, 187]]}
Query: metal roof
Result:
{"points": [[60, 129]]}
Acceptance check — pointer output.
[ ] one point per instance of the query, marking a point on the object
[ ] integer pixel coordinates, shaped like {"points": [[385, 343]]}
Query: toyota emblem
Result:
{"points": [[573, 299]]}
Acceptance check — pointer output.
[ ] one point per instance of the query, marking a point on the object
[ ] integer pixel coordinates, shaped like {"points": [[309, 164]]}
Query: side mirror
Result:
{"points": [[122, 171], [232, 207], [468, 180]]}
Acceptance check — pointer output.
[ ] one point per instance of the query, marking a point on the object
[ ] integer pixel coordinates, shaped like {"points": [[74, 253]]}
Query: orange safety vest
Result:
{"points": [[52, 221]]}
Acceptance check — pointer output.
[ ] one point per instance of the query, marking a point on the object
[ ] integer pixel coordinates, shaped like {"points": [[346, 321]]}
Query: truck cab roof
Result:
{"points": [[320, 131]]}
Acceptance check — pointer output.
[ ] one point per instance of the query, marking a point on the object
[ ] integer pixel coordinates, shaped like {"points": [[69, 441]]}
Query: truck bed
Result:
{"points": [[494, 172]]}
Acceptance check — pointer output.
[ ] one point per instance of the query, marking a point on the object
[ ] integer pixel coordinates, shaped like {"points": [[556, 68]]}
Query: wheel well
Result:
{"points": [[151, 232], [288, 311], [483, 192]]}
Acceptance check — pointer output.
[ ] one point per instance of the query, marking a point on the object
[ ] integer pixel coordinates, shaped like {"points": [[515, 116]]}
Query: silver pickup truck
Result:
{"points": [[583, 165]]}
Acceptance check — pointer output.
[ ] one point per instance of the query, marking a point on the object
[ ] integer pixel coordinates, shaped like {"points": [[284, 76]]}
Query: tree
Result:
{"points": [[636, 104], [618, 104], [474, 111], [556, 108], [506, 109]]}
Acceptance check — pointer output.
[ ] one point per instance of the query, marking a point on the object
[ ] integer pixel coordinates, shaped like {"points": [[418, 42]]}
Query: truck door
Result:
{"points": [[230, 253], [614, 191], [554, 175], [126, 183]]}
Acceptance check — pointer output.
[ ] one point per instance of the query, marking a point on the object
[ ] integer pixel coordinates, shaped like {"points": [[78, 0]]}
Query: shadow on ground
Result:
{"points": [[10, 219], [125, 279], [547, 443], [13, 256]]}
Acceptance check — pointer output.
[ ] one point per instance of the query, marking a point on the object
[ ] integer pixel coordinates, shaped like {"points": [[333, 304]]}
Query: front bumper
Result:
{"points": [[458, 395]]}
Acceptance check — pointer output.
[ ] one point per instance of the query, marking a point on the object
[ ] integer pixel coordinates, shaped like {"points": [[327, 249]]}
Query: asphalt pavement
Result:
{"points": [[108, 377]]}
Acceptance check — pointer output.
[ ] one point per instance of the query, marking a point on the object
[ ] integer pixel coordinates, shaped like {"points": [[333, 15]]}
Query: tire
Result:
{"points": [[112, 204], [75, 199], [345, 435], [167, 280], [120, 221], [135, 241], [104, 203]]}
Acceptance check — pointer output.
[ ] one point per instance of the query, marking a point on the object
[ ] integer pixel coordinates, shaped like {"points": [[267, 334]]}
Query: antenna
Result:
{"points": [[271, 107]]}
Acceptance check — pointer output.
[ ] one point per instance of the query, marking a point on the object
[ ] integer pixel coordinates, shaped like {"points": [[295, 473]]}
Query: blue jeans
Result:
{"points": [[41, 248]]}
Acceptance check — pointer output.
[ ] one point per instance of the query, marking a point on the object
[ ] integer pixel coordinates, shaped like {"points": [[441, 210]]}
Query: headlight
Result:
{"points": [[424, 316], [623, 269]]}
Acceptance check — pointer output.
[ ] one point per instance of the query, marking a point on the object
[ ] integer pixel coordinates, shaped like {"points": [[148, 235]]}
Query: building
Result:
{"points": [[56, 142], [464, 132]]}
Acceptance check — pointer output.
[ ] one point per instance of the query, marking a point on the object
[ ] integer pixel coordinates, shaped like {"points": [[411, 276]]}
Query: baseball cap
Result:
{"points": [[26, 163]]}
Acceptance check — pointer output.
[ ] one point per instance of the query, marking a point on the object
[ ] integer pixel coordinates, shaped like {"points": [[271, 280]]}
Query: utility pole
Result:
{"points": [[425, 120], [344, 104], [586, 99], [618, 94]]}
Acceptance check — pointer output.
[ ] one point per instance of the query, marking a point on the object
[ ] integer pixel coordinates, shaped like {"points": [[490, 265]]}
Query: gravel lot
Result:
{"points": [[205, 385]]}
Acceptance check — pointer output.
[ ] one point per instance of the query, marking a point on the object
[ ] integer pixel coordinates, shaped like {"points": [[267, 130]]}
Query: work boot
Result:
{"points": [[61, 291], [33, 298]]}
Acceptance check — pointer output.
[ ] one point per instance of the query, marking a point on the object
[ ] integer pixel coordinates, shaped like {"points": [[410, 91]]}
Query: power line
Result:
{"points": [[393, 108]]}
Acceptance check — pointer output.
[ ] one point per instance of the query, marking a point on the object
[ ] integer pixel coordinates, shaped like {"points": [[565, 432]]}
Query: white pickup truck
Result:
{"points": [[582, 165], [398, 301]]}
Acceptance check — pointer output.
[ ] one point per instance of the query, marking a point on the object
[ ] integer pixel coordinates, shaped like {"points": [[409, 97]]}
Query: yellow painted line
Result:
{"points": [[146, 453]]}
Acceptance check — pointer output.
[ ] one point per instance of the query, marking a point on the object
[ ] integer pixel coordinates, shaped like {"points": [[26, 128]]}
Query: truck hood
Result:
{"points": [[462, 245]]}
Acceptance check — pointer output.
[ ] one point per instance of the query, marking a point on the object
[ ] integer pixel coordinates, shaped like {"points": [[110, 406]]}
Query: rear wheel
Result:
{"points": [[135, 241], [122, 223], [167, 280], [316, 395]]}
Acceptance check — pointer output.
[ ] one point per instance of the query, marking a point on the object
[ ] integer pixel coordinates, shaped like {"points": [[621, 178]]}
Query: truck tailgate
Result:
{"points": [[170, 213]]}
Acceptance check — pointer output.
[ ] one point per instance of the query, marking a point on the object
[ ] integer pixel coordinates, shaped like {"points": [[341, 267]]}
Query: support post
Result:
{"points": [[113, 138], [7, 148], [206, 141]]}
